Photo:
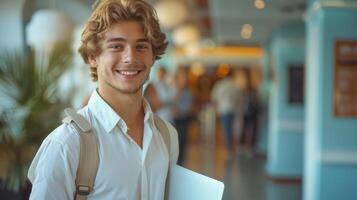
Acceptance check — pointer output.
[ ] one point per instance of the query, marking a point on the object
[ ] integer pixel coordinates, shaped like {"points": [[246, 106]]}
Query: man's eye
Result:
{"points": [[115, 46], [143, 46]]}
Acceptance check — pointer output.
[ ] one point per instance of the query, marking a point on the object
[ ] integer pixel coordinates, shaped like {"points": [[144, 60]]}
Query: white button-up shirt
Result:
{"points": [[125, 170], [225, 94]]}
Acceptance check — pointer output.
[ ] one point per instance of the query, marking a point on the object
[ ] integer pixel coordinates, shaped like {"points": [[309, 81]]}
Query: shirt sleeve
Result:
{"points": [[53, 170]]}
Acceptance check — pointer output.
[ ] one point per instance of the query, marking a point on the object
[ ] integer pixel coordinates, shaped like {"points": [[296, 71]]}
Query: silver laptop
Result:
{"points": [[189, 185]]}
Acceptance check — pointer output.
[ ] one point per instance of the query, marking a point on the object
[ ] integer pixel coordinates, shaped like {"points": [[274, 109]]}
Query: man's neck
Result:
{"points": [[128, 106]]}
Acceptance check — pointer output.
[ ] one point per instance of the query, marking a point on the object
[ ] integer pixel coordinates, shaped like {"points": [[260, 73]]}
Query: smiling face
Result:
{"points": [[126, 59]]}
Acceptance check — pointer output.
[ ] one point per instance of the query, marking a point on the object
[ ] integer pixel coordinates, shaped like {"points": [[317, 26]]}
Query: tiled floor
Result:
{"points": [[243, 175]]}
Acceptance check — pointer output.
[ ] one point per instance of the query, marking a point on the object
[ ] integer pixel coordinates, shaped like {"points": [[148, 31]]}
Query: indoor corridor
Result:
{"points": [[279, 76], [242, 173]]}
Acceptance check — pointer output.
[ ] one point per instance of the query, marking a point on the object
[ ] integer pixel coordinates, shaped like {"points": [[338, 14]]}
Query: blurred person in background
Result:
{"points": [[251, 108], [225, 98], [164, 93], [182, 110]]}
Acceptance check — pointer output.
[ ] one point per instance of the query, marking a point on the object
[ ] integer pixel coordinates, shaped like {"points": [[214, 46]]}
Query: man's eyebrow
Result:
{"points": [[120, 39], [116, 39], [142, 40]]}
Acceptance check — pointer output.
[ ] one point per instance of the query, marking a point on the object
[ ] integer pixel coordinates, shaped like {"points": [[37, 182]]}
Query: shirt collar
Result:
{"points": [[105, 114], [108, 118]]}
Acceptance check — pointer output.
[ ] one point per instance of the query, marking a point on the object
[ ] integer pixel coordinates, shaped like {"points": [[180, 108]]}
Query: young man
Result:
{"points": [[120, 42]]}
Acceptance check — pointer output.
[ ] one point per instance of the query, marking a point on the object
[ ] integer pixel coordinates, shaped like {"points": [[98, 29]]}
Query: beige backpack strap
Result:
{"points": [[88, 157], [164, 131]]}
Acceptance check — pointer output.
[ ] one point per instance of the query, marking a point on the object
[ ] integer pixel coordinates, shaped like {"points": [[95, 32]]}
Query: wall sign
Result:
{"points": [[345, 80], [296, 83]]}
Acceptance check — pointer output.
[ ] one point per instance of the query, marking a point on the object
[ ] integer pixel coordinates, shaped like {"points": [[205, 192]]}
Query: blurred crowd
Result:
{"points": [[222, 104]]}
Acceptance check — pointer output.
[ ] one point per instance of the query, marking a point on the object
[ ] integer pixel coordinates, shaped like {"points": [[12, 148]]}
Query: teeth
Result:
{"points": [[129, 73]]}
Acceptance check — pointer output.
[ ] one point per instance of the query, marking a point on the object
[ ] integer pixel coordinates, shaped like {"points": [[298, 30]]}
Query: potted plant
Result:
{"points": [[30, 108]]}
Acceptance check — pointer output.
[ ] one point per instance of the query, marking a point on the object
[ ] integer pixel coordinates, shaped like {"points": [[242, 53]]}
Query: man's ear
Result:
{"points": [[92, 60]]}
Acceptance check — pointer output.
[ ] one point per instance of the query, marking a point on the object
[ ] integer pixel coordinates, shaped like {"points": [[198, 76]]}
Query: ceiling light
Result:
{"points": [[48, 27], [171, 13], [186, 34], [259, 4], [246, 31], [192, 48], [247, 28], [245, 35]]}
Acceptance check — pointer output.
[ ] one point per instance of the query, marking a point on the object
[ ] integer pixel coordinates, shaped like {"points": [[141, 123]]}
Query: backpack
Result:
{"points": [[89, 157]]}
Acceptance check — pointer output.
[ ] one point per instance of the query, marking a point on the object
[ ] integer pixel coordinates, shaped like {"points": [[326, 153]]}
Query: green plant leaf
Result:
{"points": [[30, 106]]}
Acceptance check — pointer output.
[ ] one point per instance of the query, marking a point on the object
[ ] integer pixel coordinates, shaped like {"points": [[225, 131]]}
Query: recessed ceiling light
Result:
{"points": [[247, 27], [246, 31], [245, 35], [259, 4]]}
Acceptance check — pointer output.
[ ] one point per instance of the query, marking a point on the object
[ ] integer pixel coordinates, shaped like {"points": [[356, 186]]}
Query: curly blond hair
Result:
{"points": [[109, 12]]}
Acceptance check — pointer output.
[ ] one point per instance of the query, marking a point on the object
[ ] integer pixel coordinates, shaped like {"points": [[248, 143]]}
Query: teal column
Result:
{"points": [[264, 99], [330, 170], [286, 118]]}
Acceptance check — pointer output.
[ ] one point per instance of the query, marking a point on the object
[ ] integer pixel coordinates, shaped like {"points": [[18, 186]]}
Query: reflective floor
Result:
{"points": [[242, 173]]}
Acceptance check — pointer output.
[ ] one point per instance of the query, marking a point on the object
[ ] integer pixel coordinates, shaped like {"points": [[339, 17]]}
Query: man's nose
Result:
{"points": [[130, 55]]}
